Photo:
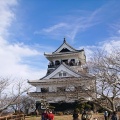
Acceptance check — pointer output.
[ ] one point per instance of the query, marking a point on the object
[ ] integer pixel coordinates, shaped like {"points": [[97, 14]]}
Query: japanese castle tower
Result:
{"points": [[64, 77]]}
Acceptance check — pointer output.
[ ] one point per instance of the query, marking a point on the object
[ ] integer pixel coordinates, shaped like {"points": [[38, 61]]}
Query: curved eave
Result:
{"points": [[39, 82], [55, 81], [34, 83], [63, 53]]}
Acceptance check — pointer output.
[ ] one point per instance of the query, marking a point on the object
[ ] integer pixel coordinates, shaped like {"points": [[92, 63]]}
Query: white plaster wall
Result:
{"points": [[38, 89]]}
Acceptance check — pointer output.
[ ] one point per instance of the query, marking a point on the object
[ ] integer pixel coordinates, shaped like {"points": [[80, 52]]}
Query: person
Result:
{"points": [[106, 115], [109, 115], [114, 116], [86, 115], [37, 112], [75, 115], [89, 115], [50, 115], [44, 115]]}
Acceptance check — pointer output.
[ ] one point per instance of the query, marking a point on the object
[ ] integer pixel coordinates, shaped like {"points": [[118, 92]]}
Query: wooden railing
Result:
{"points": [[13, 117]]}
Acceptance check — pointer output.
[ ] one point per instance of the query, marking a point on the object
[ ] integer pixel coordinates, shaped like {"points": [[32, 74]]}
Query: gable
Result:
{"points": [[65, 47], [63, 70]]}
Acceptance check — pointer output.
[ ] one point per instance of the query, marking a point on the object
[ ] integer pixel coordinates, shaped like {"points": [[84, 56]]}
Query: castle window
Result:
{"points": [[72, 62], [60, 89], [60, 74], [57, 62], [64, 74], [44, 90], [65, 61]]}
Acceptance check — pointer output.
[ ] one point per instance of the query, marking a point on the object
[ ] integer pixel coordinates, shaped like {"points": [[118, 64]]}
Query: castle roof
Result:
{"points": [[54, 74], [65, 48]]}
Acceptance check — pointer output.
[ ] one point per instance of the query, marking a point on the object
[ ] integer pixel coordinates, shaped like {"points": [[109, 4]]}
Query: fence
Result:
{"points": [[13, 117]]}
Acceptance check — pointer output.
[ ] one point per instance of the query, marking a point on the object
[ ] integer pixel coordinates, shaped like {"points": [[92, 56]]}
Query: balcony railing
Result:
{"points": [[69, 64]]}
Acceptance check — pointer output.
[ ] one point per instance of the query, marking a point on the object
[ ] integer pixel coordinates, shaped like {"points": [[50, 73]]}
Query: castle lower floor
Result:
{"points": [[62, 106]]}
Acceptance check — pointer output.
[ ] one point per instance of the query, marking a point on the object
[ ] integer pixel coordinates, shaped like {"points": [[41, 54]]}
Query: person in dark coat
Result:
{"points": [[75, 115], [114, 116], [44, 115]]}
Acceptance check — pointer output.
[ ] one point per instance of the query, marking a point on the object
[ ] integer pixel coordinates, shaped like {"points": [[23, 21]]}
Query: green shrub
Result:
{"points": [[77, 110]]}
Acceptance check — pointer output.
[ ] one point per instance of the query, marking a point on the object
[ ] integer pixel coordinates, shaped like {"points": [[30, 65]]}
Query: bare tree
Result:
{"points": [[106, 70], [24, 104], [4, 83], [10, 92]]}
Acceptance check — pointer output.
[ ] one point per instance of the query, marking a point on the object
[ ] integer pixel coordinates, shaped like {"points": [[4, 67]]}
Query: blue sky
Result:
{"points": [[28, 28]]}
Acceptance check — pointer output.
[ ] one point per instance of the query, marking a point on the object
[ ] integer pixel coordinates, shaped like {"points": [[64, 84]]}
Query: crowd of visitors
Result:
{"points": [[86, 115]]}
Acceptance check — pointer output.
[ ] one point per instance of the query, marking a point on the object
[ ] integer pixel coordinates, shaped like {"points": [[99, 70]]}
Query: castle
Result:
{"points": [[64, 78]]}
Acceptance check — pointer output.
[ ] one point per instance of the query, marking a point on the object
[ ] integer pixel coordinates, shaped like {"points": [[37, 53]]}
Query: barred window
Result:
{"points": [[60, 74], [64, 74]]}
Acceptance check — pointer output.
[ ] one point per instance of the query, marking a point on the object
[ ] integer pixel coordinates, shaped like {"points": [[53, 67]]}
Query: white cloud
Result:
{"points": [[107, 46], [12, 63], [111, 45], [89, 50], [12, 54], [6, 15], [53, 28]]}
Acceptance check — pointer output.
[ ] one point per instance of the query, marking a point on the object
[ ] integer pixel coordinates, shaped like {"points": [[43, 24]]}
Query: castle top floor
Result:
{"points": [[67, 54]]}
